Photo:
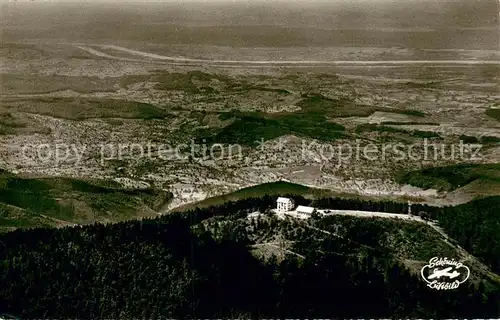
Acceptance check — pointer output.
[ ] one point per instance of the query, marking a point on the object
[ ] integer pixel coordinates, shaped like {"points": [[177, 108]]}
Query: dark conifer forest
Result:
{"points": [[202, 264]]}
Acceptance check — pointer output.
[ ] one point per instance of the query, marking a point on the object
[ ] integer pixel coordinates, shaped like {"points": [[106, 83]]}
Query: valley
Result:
{"points": [[144, 147]]}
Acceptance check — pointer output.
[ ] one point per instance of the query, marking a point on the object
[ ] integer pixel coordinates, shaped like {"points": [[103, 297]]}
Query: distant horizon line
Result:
{"points": [[332, 2]]}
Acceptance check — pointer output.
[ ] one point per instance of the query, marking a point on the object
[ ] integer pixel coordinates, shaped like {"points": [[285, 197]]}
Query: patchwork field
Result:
{"points": [[272, 123], [35, 202], [238, 106]]}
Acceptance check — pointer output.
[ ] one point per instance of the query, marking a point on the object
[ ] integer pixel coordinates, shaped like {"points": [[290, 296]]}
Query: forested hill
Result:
{"points": [[209, 263], [476, 227], [35, 202]]}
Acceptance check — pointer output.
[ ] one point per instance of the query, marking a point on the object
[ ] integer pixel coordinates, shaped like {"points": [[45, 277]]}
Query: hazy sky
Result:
{"points": [[229, 1], [403, 23]]}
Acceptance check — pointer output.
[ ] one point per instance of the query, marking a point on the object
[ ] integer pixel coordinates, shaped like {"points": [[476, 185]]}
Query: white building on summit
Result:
{"points": [[284, 204]]}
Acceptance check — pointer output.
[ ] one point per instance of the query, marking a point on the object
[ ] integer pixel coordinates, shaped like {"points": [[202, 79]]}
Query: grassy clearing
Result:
{"points": [[452, 177], [414, 113], [281, 188], [319, 104], [312, 121], [485, 140], [37, 84], [195, 82], [493, 113], [425, 134], [249, 128], [185, 82], [270, 189], [489, 139], [372, 127], [409, 123], [12, 218], [469, 139], [81, 109], [78, 200], [174, 81], [9, 124], [248, 87]]}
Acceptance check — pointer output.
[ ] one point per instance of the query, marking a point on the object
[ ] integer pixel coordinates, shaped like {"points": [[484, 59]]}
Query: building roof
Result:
{"points": [[305, 209], [282, 199]]}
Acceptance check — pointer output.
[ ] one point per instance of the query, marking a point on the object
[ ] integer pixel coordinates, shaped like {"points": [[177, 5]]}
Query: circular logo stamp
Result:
{"points": [[444, 273]]}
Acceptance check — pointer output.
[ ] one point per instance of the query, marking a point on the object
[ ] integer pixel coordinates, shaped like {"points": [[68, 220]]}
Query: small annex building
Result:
{"points": [[305, 210]]}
